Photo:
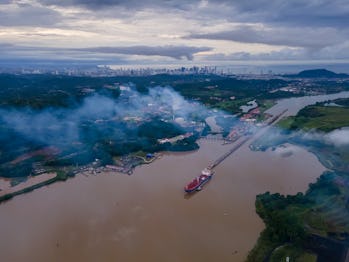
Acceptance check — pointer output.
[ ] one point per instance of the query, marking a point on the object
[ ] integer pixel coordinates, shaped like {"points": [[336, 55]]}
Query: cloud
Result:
{"points": [[250, 29], [340, 51], [5, 45], [315, 38], [336, 52], [126, 4], [101, 53], [28, 15], [311, 13], [296, 12], [176, 52], [285, 54]]}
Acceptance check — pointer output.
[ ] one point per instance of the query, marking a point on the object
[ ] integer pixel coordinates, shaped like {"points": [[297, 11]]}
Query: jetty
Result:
{"points": [[239, 142], [231, 151]]}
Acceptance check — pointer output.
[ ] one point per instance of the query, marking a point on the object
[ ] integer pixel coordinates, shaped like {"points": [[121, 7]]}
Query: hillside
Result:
{"points": [[318, 73]]}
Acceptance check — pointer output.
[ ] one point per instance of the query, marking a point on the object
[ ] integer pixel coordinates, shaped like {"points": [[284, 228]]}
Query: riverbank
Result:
{"points": [[289, 106], [6, 188], [111, 216], [7, 191], [318, 220]]}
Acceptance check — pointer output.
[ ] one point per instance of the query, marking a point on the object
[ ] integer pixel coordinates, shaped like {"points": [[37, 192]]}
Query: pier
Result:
{"points": [[214, 138], [239, 143], [231, 151]]}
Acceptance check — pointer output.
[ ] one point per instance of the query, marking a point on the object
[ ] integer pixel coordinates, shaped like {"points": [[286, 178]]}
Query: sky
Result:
{"points": [[151, 32]]}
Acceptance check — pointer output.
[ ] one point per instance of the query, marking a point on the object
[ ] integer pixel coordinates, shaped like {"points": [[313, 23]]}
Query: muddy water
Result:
{"points": [[145, 217], [6, 188], [295, 104]]}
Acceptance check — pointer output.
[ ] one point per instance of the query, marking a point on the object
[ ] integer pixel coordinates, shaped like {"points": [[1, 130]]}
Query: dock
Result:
{"points": [[239, 143], [241, 140], [231, 151]]}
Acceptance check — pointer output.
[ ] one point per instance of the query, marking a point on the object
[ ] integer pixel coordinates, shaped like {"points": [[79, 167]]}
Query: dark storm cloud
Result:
{"points": [[286, 54], [127, 4], [5, 45], [282, 55], [314, 27], [28, 15], [297, 12], [310, 13], [176, 52], [315, 38]]}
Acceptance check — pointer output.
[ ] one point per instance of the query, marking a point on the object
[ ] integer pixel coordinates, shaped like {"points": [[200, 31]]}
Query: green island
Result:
{"points": [[313, 226]]}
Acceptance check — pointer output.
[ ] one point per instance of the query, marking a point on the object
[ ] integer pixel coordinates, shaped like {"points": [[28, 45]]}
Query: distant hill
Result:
{"points": [[318, 73]]}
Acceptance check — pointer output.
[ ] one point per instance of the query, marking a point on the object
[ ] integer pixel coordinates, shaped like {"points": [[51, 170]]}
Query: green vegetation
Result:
{"points": [[229, 94], [42, 91], [157, 129], [286, 122], [320, 117], [283, 224], [61, 176], [319, 73], [264, 105], [292, 220], [295, 254], [323, 212], [69, 142], [342, 102], [100, 137]]}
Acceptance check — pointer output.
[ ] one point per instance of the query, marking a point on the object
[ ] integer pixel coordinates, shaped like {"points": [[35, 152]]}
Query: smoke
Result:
{"points": [[338, 137], [280, 140], [55, 126], [61, 127]]}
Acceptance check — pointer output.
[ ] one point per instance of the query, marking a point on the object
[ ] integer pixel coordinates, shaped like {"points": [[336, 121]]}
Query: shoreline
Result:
{"points": [[274, 110], [105, 215], [6, 188], [151, 200]]}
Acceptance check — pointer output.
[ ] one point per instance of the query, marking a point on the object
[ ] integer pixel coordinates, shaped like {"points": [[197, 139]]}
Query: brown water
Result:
{"points": [[6, 188], [145, 217], [295, 104]]}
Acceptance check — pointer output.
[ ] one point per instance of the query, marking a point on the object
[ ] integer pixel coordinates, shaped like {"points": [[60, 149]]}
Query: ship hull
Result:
{"points": [[197, 183]]}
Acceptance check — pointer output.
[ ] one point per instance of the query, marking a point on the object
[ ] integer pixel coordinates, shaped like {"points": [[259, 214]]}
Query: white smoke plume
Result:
{"points": [[338, 137], [54, 126]]}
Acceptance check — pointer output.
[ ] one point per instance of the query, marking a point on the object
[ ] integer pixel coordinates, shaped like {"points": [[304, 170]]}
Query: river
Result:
{"points": [[295, 104], [146, 216]]}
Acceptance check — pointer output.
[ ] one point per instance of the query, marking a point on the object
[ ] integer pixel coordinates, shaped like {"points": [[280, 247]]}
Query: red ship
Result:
{"points": [[197, 183]]}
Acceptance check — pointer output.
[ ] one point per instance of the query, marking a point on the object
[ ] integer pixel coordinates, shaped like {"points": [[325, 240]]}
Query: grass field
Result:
{"points": [[323, 118]]}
